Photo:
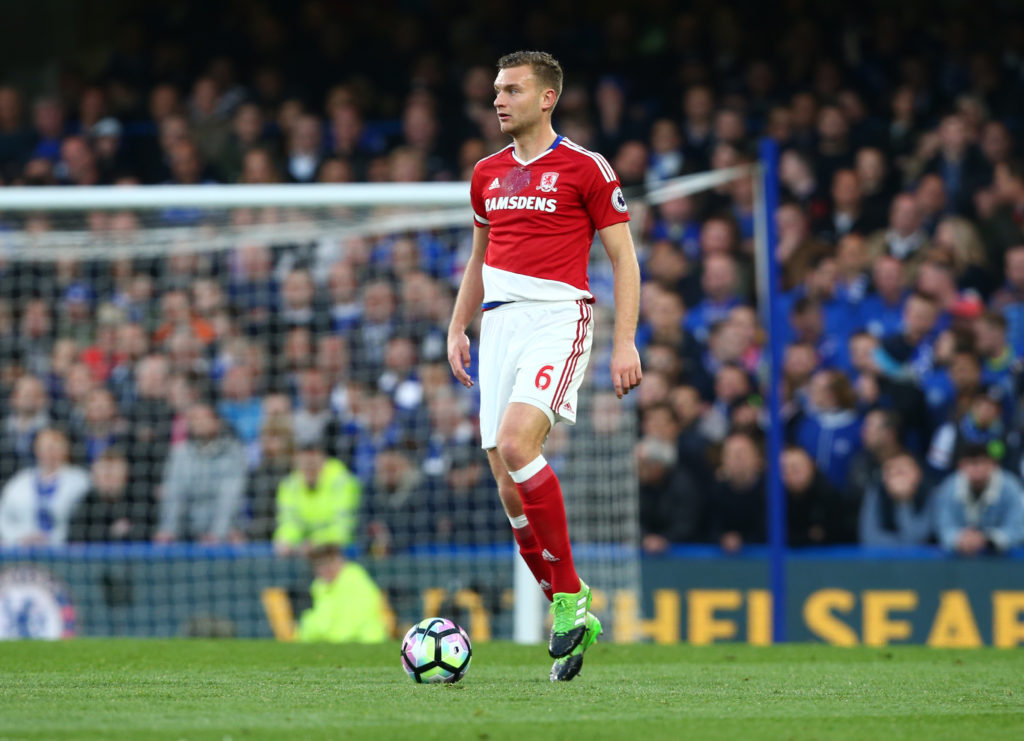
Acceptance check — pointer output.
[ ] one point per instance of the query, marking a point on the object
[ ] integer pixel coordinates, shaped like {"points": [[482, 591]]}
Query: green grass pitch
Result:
{"points": [[182, 689]]}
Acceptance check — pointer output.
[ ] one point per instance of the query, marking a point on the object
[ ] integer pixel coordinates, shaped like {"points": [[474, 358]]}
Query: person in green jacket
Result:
{"points": [[347, 606], [317, 504]]}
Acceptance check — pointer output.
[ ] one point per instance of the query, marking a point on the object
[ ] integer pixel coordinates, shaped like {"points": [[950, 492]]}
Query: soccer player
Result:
{"points": [[537, 204]]}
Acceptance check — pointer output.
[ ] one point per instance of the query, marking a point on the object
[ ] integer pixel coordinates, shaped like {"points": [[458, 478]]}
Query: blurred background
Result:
{"points": [[220, 406]]}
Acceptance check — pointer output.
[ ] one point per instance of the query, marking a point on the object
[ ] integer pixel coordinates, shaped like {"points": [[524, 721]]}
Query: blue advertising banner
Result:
{"points": [[841, 596]]}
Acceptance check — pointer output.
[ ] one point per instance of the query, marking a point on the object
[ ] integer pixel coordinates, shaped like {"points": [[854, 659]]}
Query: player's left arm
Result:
{"points": [[625, 366]]}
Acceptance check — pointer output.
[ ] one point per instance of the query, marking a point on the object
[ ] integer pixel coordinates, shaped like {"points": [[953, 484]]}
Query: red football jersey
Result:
{"points": [[542, 216]]}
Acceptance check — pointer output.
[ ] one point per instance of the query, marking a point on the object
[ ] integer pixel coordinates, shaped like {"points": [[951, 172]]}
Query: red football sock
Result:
{"points": [[530, 550], [542, 502]]}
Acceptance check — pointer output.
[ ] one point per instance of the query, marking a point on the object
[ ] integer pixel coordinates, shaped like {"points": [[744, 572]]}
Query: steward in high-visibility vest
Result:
{"points": [[347, 605], [317, 504]]}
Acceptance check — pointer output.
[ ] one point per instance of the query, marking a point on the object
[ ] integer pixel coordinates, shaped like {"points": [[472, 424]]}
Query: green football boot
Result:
{"points": [[570, 620], [567, 667]]}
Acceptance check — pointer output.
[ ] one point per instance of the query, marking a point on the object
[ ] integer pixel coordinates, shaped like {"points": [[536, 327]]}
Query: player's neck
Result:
{"points": [[530, 144]]}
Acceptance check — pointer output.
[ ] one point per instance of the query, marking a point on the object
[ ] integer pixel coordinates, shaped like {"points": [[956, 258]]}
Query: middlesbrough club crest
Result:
{"points": [[547, 182]]}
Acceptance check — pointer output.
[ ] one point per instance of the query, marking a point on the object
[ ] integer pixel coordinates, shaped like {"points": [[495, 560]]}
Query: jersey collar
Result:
{"points": [[554, 144]]}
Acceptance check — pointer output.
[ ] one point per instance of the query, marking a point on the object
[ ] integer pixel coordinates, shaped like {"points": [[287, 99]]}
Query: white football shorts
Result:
{"points": [[534, 352]]}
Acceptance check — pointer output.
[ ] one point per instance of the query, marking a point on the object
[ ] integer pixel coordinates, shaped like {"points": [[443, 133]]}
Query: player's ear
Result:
{"points": [[548, 99]]}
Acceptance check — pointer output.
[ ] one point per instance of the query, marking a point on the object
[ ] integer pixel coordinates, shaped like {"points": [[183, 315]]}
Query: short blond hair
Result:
{"points": [[545, 67]]}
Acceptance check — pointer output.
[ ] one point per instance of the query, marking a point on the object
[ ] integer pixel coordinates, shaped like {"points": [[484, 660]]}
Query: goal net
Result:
{"points": [[300, 317], [184, 347]]}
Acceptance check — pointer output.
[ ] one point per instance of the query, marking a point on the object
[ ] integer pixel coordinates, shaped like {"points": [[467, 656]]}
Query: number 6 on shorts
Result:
{"points": [[543, 379]]}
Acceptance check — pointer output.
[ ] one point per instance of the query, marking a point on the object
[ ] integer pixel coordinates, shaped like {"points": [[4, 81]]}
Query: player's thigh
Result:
{"points": [[552, 363], [496, 373]]}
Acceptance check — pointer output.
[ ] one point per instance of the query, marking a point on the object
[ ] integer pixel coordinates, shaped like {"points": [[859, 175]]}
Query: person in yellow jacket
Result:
{"points": [[347, 606], [317, 504]]}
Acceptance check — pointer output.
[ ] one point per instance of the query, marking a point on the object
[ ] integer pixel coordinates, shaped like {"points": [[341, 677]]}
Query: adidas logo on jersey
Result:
{"points": [[495, 185]]}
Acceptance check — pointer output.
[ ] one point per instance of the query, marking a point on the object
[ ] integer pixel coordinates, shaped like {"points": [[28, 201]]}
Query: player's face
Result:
{"points": [[517, 99]]}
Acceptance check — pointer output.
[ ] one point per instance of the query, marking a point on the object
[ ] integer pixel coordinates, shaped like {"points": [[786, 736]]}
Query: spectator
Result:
{"points": [[958, 240], [672, 506], [666, 152], [397, 517], [298, 306], [36, 504], [35, 336], [875, 389], [100, 430], [980, 507], [465, 507], [833, 151], [737, 511], [996, 143], [148, 437], [276, 460], [853, 266], [880, 441], [720, 285], [15, 137], [798, 251], [343, 290], [698, 113], [1000, 365], [981, 424], [829, 429], [179, 318], [962, 168], [27, 415], [317, 504], [807, 327], [353, 141], [347, 606], [241, 408], [110, 512], [1001, 210], [312, 414], [450, 429], [875, 181], [246, 133], [898, 507], [113, 157], [378, 325], [48, 122], [905, 237], [881, 312], [204, 483], [305, 149], [812, 502], [847, 213], [399, 378], [910, 354], [800, 184]]}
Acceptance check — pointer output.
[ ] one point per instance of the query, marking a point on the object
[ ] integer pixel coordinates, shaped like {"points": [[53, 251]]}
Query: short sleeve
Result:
{"points": [[603, 200], [477, 199]]}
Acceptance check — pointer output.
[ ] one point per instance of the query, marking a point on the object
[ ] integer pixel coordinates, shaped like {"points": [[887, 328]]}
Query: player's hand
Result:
{"points": [[459, 357], [626, 373]]}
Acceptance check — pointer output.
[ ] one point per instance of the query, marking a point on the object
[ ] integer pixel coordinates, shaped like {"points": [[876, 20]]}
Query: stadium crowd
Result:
{"points": [[197, 397]]}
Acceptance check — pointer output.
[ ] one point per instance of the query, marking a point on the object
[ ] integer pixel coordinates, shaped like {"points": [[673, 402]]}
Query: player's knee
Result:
{"points": [[514, 451]]}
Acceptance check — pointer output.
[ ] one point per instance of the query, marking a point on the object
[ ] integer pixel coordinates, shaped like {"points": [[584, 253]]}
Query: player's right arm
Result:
{"points": [[471, 295]]}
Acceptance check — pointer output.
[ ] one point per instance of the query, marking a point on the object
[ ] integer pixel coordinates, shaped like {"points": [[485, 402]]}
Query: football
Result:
{"points": [[436, 650]]}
